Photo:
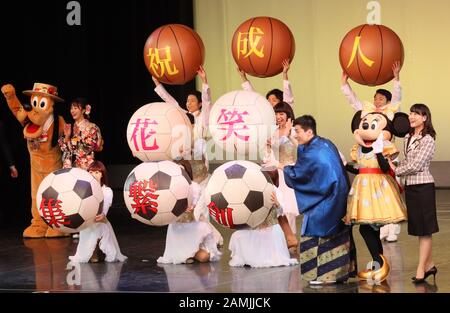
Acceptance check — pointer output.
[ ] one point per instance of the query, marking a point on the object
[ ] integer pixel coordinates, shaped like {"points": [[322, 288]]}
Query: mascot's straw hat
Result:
{"points": [[44, 90]]}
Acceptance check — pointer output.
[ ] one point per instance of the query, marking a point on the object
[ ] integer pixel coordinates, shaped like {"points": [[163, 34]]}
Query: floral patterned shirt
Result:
{"points": [[79, 150]]}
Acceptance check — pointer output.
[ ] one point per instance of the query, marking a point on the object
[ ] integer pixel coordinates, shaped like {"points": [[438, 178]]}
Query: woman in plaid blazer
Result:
{"points": [[419, 186]]}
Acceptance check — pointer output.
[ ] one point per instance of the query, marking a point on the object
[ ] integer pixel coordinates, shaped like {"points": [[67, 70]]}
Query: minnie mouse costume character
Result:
{"points": [[374, 199]]}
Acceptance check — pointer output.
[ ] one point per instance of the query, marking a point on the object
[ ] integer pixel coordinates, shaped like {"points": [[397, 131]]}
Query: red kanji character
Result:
{"points": [[222, 216], [52, 213], [143, 192]]}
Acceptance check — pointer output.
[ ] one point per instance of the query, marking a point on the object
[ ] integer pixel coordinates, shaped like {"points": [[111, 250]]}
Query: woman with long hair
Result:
{"points": [[419, 186], [81, 140]]}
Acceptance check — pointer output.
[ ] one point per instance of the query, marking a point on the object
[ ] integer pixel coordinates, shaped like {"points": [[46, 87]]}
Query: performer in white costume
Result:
{"points": [[100, 234]]}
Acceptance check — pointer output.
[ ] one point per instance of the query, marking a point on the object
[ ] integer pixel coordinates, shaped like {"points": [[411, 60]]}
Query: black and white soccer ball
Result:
{"points": [[239, 195], [156, 193], [69, 199]]}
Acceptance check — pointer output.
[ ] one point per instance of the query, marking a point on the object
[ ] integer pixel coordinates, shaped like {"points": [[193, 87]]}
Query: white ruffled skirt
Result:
{"points": [[88, 241], [260, 248], [183, 240]]}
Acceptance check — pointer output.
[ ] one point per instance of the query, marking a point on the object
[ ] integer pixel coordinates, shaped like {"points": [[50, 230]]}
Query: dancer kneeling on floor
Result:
{"points": [[264, 246], [98, 242], [189, 240]]}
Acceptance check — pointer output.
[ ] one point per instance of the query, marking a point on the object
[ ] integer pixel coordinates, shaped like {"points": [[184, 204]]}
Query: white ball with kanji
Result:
{"points": [[239, 195], [242, 122], [157, 193], [159, 131], [69, 199]]}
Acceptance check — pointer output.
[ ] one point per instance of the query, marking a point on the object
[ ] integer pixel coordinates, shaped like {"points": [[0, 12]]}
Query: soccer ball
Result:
{"points": [[156, 193], [158, 131], [69, 199], [242, 121], [239, 195]]}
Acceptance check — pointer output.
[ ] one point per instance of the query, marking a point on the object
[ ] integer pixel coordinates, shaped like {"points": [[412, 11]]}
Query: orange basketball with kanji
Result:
{"points": [[173, 53], [260, 45], [368, 52]]}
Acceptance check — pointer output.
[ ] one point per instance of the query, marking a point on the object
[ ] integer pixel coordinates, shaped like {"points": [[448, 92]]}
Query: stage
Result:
{"points": [[42, 265]]}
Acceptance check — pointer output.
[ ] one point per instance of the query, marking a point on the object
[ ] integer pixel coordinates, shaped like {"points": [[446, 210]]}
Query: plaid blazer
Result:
{"points": [[415, 169]]}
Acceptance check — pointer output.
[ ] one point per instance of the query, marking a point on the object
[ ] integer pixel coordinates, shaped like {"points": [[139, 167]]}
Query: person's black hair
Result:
{"points": [[81, 103], [99, 166], [306, 122], [283, 107], [186, 165], [385, 93], [277, 93], [423, 110]]}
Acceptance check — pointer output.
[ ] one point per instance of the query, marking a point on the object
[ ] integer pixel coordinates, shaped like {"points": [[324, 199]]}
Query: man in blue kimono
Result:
{"points": [[321, 188]]}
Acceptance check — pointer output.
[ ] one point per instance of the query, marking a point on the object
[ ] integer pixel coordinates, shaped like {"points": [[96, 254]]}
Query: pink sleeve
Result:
{"points": [[351, 97], [288, 96], [397, 94], [206, 104], [247, 85], [162, 92]]}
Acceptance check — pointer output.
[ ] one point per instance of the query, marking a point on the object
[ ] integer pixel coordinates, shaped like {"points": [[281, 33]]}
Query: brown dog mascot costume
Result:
{"points": [[41, 130]]}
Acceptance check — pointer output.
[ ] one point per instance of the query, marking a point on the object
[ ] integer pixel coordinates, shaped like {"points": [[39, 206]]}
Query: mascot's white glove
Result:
{"points": [[378, 145]]}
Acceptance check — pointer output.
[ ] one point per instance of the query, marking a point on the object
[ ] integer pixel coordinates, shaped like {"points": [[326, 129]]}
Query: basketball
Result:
{"points": [[173, 53], [260, 45], [368, 52]]}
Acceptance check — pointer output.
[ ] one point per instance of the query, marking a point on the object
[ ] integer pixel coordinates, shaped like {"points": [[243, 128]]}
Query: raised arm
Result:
{"points": [[349, 93], [288, 96], [13, 103], [162, 92], [397, 91], [206, 97], [246, 85]]}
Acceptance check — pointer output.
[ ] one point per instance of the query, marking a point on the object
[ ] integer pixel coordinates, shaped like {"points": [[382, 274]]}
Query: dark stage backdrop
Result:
{"points": [[101, 59]]}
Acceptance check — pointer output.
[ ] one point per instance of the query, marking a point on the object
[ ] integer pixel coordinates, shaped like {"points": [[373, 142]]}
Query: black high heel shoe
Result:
{"points": [[431, 271]]}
